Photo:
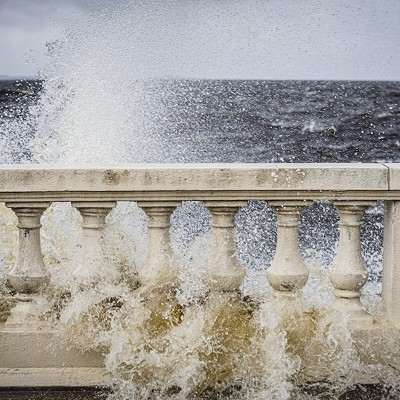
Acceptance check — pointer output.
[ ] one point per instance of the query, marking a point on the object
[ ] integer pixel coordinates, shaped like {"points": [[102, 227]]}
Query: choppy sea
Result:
{"points": [[256, 121]]}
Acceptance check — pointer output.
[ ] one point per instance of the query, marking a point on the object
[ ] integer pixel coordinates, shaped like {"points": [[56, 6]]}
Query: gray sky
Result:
{"points": [[264, 39]]}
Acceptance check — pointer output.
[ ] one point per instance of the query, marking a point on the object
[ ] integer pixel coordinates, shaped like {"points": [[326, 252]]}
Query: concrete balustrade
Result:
{"points": [[348, 274], [93, 221], [391, 262], [159, 189], [287, 273], [29, 274], [158, 266], [224, 272]]}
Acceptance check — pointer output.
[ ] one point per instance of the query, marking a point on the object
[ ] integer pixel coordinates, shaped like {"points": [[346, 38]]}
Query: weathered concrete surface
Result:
{"points": [[40, 358], [393, 176], [391, 262], [191, 181], [52, 377]]}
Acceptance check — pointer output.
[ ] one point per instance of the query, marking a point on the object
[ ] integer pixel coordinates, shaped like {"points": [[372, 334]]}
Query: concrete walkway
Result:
{"points": [[365, 392], [53, 394]]}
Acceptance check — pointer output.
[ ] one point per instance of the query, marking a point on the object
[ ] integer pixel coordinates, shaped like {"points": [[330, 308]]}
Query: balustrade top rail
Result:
{"points": [[35, 182]]}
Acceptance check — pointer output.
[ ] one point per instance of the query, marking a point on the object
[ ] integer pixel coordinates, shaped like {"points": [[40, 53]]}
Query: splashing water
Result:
{"points": [[102, 101]]}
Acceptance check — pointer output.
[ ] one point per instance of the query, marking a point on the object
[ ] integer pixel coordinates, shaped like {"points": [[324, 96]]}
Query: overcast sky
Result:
{"points": [[264, 39]]}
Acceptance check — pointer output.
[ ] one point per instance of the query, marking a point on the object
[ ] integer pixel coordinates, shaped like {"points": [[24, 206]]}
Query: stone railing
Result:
{"points": [[223, 188]]}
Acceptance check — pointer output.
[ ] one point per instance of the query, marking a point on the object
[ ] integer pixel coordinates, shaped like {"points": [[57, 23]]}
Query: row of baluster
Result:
{"points": [[287, 274]]}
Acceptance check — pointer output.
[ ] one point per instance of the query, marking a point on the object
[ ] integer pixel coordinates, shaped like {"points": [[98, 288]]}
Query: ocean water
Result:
{"points": [[237, 121]]}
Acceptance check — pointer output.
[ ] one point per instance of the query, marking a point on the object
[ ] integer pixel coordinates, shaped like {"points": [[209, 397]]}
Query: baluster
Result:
{"points": [[391, 262], [224, 271], [93, 214], [158, 267], [348, 274], [288, 272], [29, 275]]}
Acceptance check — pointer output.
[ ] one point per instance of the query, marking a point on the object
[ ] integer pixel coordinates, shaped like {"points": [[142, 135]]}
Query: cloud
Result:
{"points": [[25, 28], [291, 39]]}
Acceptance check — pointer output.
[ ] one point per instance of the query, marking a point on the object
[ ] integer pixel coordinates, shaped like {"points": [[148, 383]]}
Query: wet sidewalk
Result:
{"points": [[360, 392], [53, 394]]}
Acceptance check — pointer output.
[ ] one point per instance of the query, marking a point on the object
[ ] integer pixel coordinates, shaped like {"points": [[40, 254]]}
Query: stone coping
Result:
{"points": [[198, 181], [53, 377]]}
